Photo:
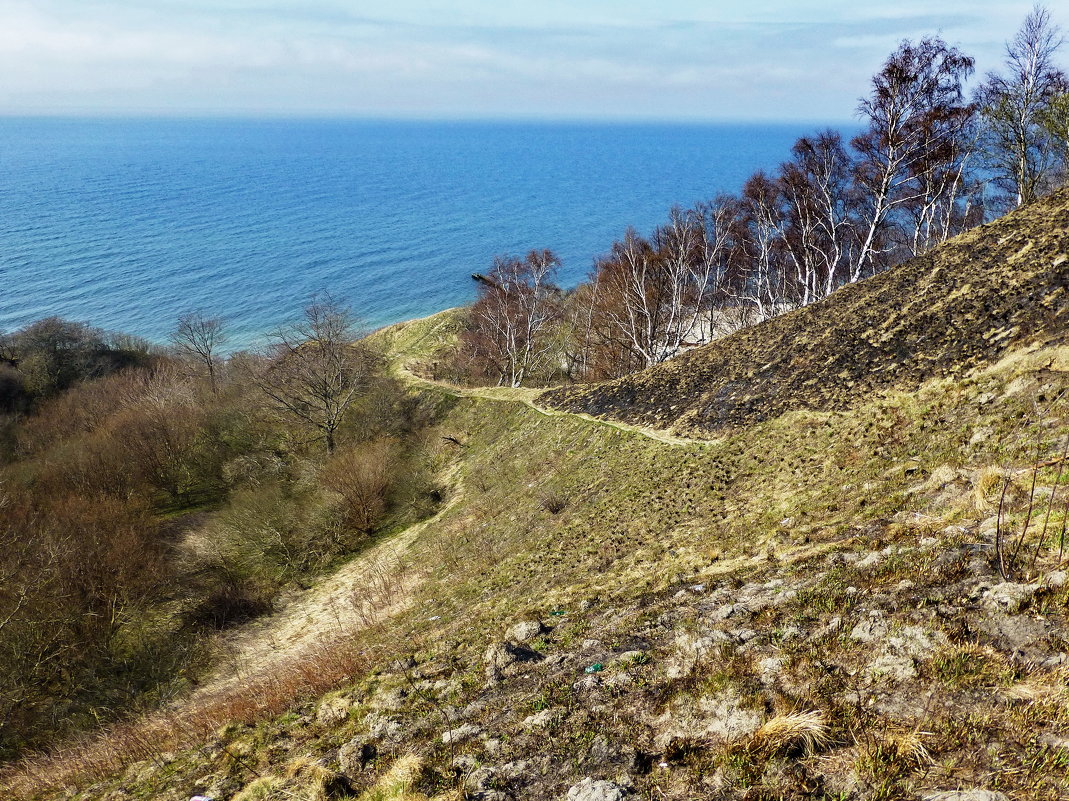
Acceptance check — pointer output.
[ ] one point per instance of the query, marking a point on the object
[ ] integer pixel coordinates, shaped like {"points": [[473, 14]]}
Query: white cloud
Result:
{"points": [[557, 57]]}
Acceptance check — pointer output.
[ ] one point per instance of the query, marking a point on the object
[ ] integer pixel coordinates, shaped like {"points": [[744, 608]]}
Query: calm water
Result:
{"points": [[127, 224]]}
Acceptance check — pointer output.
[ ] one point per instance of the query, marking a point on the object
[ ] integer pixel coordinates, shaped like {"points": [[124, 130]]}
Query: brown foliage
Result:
{"points": [[363, 477]]}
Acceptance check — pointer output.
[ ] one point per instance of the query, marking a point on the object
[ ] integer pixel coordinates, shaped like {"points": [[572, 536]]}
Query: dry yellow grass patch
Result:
{"points": [[400, 781], [805, 730]]}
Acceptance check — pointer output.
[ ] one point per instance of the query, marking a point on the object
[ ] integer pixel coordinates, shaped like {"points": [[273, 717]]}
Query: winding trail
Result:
{"points": [[376, 584], [527, 396]]}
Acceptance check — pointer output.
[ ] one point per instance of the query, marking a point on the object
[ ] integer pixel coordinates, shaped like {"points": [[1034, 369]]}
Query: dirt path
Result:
{"points": [[371, 587], [527, 395]]}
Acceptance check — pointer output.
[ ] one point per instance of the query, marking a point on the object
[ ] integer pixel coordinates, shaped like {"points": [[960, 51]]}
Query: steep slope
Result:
{"points": [[962, 305], [865, 602]]}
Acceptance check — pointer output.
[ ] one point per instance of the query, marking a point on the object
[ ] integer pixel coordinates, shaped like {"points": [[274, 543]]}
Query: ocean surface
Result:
{"points": [[126, 224]]}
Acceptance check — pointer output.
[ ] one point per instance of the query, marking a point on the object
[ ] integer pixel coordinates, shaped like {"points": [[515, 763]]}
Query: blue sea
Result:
{"points": [[126, 224]]}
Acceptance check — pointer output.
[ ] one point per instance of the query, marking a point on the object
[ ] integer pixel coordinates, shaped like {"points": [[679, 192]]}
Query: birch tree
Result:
{"points": [[1013, 102], [914, 112], [512, 335], [821, 216]]}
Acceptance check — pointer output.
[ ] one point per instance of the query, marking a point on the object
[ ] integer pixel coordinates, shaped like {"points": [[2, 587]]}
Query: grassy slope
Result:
{"points": [[859, 542]]}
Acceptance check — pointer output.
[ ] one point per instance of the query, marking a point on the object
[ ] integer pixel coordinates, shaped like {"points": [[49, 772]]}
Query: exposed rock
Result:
{"points": [[870, 561], [1057, 579], [967, 795], [590, 790], [460, 734], [900, 650], [525, 631], [769, 669], [629, 657], [831, 627], [690, 649], [1022, 635], [391, 699], [480, 779], [332, 711], [500, 656], [384, 728], [719, 717], [891, 667], [354, 755], [869, 630], [543, 719], [1010, 597]]}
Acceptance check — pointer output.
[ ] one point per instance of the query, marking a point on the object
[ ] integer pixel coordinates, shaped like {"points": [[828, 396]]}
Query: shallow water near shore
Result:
{"points": [[128, 223]]}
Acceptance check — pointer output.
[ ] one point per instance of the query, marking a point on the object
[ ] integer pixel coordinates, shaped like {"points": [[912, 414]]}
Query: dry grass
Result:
{"points": [[399, 784], [807, 731], [105, 753], [986, 483]]}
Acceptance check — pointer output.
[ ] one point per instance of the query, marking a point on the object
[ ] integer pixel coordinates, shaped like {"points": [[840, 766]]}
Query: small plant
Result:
{"points": [[1012, 546], [553, 502]]}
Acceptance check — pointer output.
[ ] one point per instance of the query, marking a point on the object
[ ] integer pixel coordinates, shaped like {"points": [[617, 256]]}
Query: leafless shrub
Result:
{"points": [[363, 476], [553, 502], [1012, 545]]}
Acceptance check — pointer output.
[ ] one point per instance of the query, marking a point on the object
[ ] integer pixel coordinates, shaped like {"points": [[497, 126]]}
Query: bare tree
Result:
{"points": [[317, 368], [1055, 121], [915, 113], [821, 215], [1013, 103], [199, 337], [761, 281], [511, 336]]}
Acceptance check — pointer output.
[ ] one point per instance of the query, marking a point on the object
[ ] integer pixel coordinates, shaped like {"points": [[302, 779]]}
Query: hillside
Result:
{"points": [[853, 589], [962, 305]]}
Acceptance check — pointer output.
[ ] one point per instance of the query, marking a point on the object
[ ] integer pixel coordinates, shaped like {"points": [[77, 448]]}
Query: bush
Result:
{"points": [[362, 477]]}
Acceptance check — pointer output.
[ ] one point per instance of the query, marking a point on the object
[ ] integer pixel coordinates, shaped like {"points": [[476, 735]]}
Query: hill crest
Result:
{"points": [[962, 305]]}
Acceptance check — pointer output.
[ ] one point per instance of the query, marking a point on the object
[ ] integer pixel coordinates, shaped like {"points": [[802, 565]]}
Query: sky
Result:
{"points": [[762, 60]]}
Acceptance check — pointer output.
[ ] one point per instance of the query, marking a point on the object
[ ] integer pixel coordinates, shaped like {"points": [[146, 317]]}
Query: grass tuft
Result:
{"points": [[805, 731]]}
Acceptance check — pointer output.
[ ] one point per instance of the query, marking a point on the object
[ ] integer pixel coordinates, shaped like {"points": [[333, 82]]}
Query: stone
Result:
{"points": [[743, 635], [590, 790], [354, 755], [720, 717], [967, 795], [502, 655], [525, 631], [869, 630], [460, 734], [870, 561], [892, 667], [384, 728], [1057, 579], [768, 669], [690, 650], [544, 719], [332, 711], [1010, 597], [480, 779]]}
